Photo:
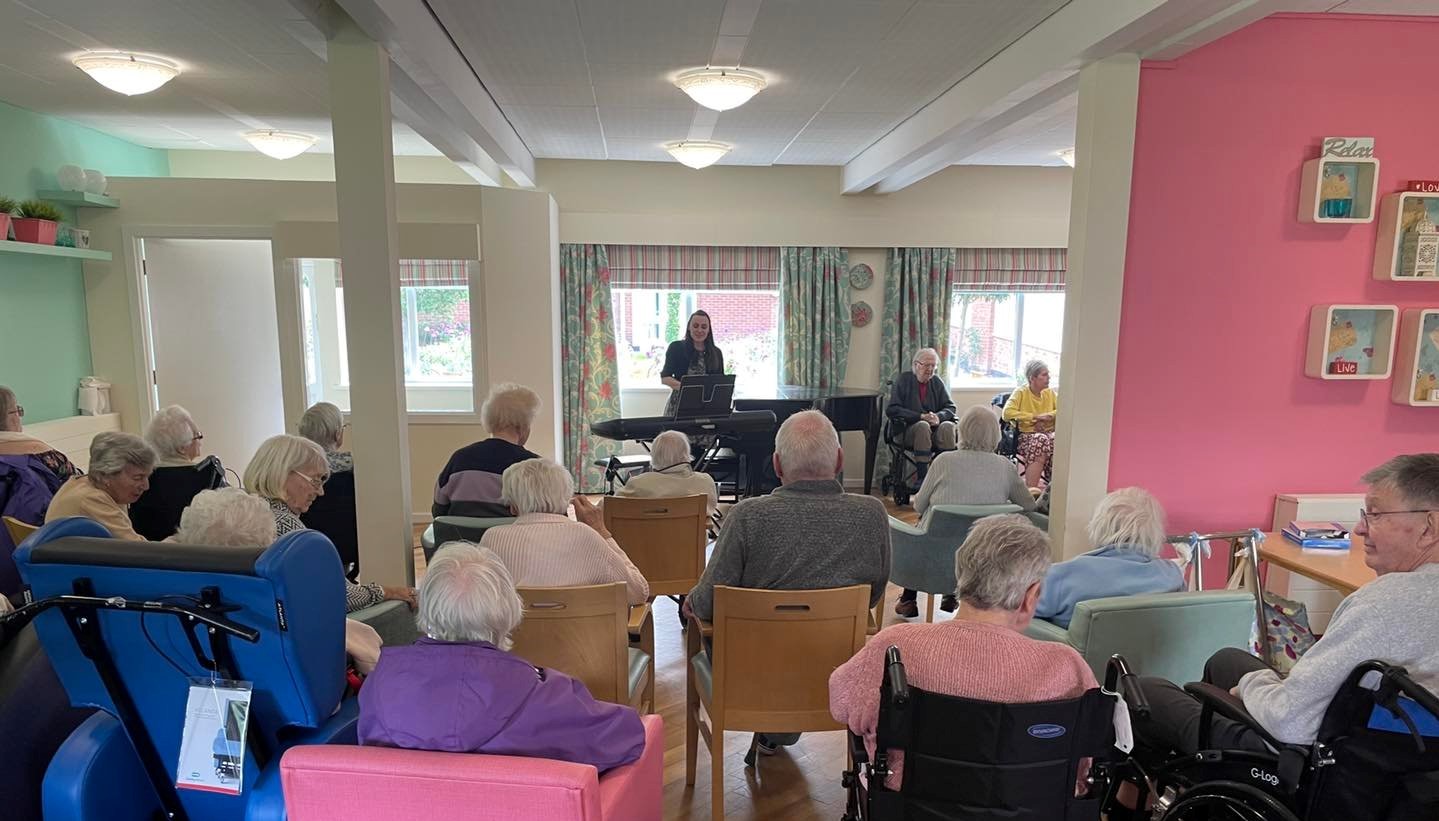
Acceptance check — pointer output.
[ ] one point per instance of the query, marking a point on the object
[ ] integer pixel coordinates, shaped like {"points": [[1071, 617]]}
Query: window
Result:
{"points": [[435, 331], [746, 329], [992, 334]]}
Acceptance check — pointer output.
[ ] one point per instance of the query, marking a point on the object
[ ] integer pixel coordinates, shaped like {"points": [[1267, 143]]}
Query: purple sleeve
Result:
{"points": [[562, 721]]}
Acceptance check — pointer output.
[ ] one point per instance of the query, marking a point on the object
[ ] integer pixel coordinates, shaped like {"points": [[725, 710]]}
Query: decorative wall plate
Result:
{"points": [[860, 313], [861, 276]]}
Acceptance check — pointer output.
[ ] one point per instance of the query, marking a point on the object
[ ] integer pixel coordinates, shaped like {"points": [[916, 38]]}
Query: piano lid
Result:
{"points": [[801, 393]]}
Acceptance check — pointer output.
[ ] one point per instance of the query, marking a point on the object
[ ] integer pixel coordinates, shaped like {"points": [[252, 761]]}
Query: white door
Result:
{"points": [[215, 340]]}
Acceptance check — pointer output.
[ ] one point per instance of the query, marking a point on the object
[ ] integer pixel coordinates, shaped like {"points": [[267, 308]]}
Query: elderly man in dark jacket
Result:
{"points": [[920, 402]]}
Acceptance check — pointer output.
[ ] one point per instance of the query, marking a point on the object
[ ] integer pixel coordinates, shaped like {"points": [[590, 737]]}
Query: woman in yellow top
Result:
{"points": [[1033, 407]]}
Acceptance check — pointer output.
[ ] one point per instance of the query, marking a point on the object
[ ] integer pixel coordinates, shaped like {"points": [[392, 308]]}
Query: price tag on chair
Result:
{"points": [[212, 747], [1123, 729]]}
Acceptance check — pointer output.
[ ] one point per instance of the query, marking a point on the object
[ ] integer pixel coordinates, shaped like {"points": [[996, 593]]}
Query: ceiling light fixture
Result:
{"points": [[1067, 154], [127, 73], [721, 88], [698, 153], [282, 145]]}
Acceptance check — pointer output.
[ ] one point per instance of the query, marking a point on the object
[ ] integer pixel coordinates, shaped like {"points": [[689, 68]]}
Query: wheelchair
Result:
{"points": [[1376, 758], [968, 760], [905, 472]]}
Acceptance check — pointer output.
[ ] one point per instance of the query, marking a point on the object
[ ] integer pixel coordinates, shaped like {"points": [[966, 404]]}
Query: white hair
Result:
{"points": [[537, 486], [1001, 558], [227, 517], [669, 449], [278, 457], [1033, 367], [322, 424], [8, 402], [112, 451], [468, 595], [509, 407], [1128, 516], [979, 429], [807, 447], [923, 351], [171, 431], [1415, 476]]}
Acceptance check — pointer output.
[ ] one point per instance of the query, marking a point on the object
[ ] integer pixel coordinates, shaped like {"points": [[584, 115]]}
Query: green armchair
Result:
{"points": [[393, 620], [451, 528], [1169, 635], [922, 557]]}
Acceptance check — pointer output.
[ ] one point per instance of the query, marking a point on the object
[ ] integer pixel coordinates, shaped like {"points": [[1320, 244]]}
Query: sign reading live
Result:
{"points": [[1343, 367], [1426, 186], [1348, 147]]}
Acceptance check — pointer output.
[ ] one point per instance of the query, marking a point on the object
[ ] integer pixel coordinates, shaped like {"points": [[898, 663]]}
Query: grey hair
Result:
{"points": [[807, 446], [509, 407], [170, 431], [923, 351], [1033, 367], [669, 449], [1128, 516], [537, 486], [276, 458], [468, 595], [1000, 559], [979, 429], [112, 451], [1414, 475], [228, 517], [8, 402], [322, 423]]}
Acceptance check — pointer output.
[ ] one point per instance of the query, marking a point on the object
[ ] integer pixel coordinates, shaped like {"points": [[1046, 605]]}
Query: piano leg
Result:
{"points": [[871, 442]]}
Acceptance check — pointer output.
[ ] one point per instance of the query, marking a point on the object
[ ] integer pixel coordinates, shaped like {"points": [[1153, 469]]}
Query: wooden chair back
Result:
{"points": [[665, 538], [580, 631], [19, 531], [774, 651]]}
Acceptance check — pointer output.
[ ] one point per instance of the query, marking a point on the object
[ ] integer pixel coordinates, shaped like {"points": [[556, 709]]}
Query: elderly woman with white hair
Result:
{"points": [[982, 653], [544, 547], [14, 441], [1126, 533], [180, 474], [972, 475], [1034, 407], [670, 474], [323, 424], [120, 466], [289, 473], [458, 690], [469, 485]]}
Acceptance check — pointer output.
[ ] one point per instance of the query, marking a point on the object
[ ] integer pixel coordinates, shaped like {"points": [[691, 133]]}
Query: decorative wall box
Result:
{"points": [[1341, 185], [1351, 341], [1416, 380], [1408, 246]]}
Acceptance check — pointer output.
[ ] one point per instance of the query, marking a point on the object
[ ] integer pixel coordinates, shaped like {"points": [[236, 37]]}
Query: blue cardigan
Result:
{"points": [[1113, 570]]}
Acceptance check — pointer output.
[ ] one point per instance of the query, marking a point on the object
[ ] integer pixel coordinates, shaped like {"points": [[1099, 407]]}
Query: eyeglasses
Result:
{"points": [[926, 364], [18, 410], [317, 481], [198, 436], [1366, 515]]}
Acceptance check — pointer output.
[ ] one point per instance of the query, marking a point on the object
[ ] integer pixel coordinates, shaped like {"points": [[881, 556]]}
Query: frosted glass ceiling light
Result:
{"points": [[721, 88], [1066, 154], [282, 145], [697, 153], [127, 73]]}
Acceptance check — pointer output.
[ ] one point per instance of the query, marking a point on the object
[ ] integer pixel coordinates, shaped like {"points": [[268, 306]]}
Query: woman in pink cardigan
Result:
{"points": [[982, 653]]}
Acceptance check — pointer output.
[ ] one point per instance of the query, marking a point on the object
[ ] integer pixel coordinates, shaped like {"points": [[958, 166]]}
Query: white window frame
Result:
{"points": [[997, 382]]}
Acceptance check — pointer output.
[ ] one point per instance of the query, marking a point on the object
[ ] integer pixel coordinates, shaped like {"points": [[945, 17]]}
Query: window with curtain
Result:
{"points": [[1006, 308]]}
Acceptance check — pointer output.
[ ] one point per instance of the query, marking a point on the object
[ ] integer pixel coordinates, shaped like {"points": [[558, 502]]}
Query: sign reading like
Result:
{"points": [[1348, 147]]}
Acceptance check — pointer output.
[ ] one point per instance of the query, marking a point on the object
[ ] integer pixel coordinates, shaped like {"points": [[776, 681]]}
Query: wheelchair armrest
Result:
{"points": [[1221, 701]]}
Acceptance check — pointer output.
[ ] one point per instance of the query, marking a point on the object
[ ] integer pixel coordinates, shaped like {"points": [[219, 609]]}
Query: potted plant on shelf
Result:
{"points": [[38, 222], [7, 205]]}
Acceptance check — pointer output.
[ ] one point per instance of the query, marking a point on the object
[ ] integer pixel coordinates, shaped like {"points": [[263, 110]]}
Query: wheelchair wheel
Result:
{"points": [[1227, 801]]}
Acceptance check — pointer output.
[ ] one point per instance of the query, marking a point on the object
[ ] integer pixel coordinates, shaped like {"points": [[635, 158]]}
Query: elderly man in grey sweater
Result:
{"points": [[809, 534], [1394, 618]]}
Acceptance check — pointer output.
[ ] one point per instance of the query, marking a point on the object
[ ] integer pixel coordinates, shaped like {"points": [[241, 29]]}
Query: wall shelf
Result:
{"points": [[1356, 177], [1351, 341], [79, 199], [1416, 381], [1398, 214], [9, 247]]}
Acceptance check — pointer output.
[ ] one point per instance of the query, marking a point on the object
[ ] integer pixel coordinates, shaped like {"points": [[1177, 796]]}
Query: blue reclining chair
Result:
{"points": [[140, 619]]}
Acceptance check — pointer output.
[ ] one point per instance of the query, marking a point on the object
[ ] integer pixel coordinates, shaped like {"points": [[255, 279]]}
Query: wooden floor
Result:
{"points": [[800, 783]]}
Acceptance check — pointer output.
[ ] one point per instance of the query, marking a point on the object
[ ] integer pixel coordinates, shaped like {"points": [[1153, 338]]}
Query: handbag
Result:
{"points": [[1286, 632]]}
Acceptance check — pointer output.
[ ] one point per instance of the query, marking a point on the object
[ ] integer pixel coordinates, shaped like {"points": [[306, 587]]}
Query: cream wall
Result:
{"points": [[310, 166]]}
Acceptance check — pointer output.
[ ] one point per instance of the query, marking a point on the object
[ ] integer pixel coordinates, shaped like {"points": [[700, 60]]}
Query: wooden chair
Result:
{"points": [[584, 632], [665, 538], [773, 652], [19, 530]]}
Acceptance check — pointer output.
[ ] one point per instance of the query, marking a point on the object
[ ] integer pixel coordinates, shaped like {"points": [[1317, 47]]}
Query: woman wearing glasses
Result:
{"points": [[14, 441], [180, 474], [289, 472]]}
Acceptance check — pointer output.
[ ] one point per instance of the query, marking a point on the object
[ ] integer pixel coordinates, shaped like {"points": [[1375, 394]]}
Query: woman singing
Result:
{"points": [[695, 355]]}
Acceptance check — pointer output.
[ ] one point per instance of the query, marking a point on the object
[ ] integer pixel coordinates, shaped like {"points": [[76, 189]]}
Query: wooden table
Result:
{"points": [[1343, 570]]}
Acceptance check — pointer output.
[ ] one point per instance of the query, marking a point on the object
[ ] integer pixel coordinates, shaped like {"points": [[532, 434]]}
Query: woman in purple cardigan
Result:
{"points": [[457, 690]]}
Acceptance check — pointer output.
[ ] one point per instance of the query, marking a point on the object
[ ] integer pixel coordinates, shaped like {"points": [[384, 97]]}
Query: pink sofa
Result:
{"points": [[327, 782]]}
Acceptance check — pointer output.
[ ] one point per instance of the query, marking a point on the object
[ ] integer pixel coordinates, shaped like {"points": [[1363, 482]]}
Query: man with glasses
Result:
{"points": [[1394, 618], [920, 403]]}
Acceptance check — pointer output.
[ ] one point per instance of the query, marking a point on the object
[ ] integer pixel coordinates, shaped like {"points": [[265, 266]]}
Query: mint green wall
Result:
{"points": [[44, 335]]}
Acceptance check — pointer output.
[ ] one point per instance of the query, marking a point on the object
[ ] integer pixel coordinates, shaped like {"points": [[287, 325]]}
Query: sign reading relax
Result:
{"points": [[1348, 147]]}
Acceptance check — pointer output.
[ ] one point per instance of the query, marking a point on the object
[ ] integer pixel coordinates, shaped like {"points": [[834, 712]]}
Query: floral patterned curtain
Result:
{"points": [[918, 285], [814, 319], [588, 373]]}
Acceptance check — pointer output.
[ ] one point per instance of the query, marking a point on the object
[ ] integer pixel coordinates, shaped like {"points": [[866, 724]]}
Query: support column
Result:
{"points": [[365, 195], [1094, 288]]}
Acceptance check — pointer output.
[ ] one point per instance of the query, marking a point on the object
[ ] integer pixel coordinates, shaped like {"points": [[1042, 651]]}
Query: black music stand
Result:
{"points": [[706, 395]]}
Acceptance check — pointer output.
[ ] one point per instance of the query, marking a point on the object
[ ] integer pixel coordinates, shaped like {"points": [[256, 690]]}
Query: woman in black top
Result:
{"points": [[695, 355]]}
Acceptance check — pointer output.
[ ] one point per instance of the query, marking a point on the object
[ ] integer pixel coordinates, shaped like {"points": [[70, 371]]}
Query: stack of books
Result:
{"points": [[1318, 535]]}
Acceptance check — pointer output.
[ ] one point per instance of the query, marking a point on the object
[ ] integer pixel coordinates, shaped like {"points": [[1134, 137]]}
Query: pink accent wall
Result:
{"points": [[1213, 412]]}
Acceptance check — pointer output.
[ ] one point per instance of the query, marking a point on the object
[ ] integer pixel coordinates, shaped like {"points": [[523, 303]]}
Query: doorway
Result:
{"points": [[214, 340]]}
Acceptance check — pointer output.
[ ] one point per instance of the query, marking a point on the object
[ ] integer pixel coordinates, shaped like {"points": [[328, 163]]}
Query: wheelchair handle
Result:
{"points": [[1421, 696], [221, 624], [1120, 680], [894, 675]]}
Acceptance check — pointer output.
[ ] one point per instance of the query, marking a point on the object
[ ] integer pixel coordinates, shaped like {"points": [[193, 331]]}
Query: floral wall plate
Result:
{"points": [[861, 276], [860, 313]]}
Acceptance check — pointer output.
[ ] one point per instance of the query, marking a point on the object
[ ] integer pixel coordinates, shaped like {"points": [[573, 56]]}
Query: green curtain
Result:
{"points": [[918, 289], [814, 319], [588, 373]]}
